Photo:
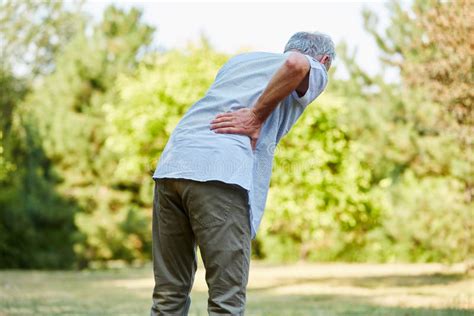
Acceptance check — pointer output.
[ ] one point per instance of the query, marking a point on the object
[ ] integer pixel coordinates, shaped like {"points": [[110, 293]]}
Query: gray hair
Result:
{"points": [[312, 43]]}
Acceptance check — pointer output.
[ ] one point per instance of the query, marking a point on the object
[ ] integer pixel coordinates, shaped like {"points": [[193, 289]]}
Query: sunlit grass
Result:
{"points": [[300, 289]]}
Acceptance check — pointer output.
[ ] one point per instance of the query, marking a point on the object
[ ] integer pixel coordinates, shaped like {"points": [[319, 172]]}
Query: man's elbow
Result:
{"points": [[297, 63]]}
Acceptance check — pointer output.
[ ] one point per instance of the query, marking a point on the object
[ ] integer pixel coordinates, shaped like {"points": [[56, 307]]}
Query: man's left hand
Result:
{"points": [[243, 121]]}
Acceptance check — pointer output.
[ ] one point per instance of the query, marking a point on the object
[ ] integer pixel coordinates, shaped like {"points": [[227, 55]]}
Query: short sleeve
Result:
{"points": [[318, 79]]}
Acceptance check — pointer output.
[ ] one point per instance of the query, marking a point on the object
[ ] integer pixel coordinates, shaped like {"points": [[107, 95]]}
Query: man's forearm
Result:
{"points": [[284, 81]]}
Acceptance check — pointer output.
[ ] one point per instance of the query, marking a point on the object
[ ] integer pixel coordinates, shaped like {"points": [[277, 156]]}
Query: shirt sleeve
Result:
{"points": [[318, 80]]}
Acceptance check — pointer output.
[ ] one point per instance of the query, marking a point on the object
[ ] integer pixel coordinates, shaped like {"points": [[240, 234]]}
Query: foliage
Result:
{"points": [[432, 47], [36, 222], [59, 151], [421, 163], [32, 33], [409, 145], [71, 124], [319, 190]]}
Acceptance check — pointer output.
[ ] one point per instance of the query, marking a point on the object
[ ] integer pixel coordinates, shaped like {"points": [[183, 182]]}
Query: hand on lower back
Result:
{"points": [[243, 122]]}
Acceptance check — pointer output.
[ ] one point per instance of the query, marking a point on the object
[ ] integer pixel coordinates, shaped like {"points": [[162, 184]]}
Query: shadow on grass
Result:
{"points": [[406, 280], [374, 282], [328, 305]]}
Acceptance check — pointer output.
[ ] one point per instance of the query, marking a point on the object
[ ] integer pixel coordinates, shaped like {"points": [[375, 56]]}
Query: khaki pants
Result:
{"points": [[214, 216]]}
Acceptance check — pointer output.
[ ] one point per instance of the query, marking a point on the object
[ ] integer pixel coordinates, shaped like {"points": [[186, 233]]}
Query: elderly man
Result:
{"points": [[213, 176]]}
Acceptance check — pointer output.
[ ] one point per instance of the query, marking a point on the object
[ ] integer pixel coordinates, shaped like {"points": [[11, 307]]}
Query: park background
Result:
{"points": [[379, 169]]}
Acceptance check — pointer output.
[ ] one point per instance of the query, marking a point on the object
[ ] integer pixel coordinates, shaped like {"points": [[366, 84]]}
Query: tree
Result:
{"points": [[33, 32], [432, 46], [36, 223], [420, 160], [68, 111], [57, 135]]}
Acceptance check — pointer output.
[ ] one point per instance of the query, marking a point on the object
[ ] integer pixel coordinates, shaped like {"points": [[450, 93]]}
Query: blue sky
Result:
{"points": [[259, 26]]}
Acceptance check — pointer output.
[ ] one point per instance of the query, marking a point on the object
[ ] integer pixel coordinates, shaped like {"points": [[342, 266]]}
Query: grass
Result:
{"points": [[299, 289]]}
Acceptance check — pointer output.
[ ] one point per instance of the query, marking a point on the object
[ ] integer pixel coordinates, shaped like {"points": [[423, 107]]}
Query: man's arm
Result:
{"points": [[293, 74], [287, 78]]}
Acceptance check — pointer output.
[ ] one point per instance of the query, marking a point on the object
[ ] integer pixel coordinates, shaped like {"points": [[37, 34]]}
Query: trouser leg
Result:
{"points": [[174, 252], [220, 220]]}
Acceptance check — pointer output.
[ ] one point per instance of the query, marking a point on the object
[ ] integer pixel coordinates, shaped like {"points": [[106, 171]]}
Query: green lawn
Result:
{"points": [[299, 289]]}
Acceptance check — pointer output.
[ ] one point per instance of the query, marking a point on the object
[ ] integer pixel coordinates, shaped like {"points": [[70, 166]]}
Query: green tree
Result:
{"points": [[67, 109], [32, 33], [421, 167], [319, 206], [36, 223], [431, 45]]}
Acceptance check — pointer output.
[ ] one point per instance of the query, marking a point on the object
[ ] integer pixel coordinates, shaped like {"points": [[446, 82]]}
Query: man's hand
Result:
{"points": [[243, 121]]}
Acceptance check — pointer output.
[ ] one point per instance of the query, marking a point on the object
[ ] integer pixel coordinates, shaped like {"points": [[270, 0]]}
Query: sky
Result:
{"points": [[258, 26]]}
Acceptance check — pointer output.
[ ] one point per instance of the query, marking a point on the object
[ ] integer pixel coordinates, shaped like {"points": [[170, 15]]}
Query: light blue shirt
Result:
{"points": [[195, 152]]}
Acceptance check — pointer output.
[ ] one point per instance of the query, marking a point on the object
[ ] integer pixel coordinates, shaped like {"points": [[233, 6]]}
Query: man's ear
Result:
{"points": [[325, 60]]}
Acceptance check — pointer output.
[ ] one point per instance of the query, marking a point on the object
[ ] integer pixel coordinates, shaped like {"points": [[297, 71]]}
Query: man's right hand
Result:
{"points": [[243, 121]]}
